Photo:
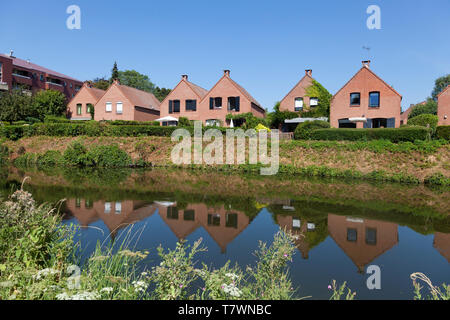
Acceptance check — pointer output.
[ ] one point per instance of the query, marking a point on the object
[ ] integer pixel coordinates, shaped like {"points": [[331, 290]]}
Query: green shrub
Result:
{"points": [[304, 130], [443, 132], [76, 154], [132, 123], [108, 156], [184, 122], [437, 179], [392, 134], [55, 119], [425, 120]]}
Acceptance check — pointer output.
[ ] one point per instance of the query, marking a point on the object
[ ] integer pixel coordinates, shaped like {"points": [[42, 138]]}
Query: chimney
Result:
{"points": [[184, 77], [226, 73], [11, 54], [366, 64], [308, 72], [116, 81]]}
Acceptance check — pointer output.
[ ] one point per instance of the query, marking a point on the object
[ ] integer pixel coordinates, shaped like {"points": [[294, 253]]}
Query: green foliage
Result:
{"points": [[436, 293], [392, 134], [430, 107], [134, 79], [161, 93], [184, 122], [16, 105], [76, 154], [439, 85], [437, 179], [100, 83], [108, 156], [276, 119], [338, 291], [425, 120], [316, 90], [250, 121], [55, 119], [304, 130], [114, 73], [49, 102], [443, 132]]}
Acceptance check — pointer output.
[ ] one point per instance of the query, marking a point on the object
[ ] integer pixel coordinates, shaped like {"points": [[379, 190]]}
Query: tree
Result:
{"points": [[439, 85], [49, 102], [134, 79], [100, 83], [161, 93], [16, 105], [316, 90], [114, 73], [430, 107], [277, 117]]}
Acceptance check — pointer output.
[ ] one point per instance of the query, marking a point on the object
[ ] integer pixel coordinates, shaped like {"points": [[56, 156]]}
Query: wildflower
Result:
{"points": [[232, 290], [181, 286], [44, 273], [107, 290], [232, 276], [329, 287], [140, 286], [99, 258], [85, 295]]}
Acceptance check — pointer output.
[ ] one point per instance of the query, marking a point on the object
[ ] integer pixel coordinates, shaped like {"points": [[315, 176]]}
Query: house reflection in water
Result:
{"points": [[223, 225], [115, 215], [298, 229], [442, 244], [362, 240]]}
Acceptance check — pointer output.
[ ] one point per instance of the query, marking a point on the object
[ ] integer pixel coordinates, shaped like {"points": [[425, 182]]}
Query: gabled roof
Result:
{"points": [[199, 91], [240, 88], [28, 65], [298, 83], [447, 88], [95, 93], [373, 73], [139, 98]]}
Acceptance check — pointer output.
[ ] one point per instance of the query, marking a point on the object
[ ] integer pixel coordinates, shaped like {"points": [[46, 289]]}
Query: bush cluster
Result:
{"points": [[411, 133], [304, 130], [443, 132], [425, 120]]}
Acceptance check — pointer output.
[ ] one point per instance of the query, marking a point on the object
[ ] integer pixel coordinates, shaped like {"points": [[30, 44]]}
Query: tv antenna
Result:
{"points": [[368, 51]]}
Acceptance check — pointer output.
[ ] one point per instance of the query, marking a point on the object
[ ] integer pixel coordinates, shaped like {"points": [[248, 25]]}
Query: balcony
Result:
{"points": [[3, 86]]}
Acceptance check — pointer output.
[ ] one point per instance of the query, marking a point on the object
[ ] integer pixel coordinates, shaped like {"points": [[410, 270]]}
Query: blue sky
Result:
{"points": [[266, 44]]}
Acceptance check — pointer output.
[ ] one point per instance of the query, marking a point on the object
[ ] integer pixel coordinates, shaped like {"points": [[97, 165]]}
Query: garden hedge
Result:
{"points": [[304, 130], [443, 132], [392, 134]]}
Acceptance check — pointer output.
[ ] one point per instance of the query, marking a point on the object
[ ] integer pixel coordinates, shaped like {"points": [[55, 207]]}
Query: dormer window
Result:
{"points": [[355, 99]]}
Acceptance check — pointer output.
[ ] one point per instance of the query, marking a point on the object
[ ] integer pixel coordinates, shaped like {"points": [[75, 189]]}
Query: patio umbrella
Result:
{"points": [[231, 124], [168, 118]]}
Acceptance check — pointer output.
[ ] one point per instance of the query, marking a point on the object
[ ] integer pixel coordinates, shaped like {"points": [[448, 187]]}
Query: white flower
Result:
{"points": [[140, 286], [107, 290], [44, 273], [232, 276], [232, 290], [85, 295]]}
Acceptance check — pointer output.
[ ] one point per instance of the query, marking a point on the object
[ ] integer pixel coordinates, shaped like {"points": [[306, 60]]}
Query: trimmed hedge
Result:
{"points": [[425, 120], [443, 132], [391, 134], [304, 130]]}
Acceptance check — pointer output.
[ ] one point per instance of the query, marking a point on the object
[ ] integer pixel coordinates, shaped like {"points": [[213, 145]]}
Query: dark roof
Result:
{"points": [[139, 98]]}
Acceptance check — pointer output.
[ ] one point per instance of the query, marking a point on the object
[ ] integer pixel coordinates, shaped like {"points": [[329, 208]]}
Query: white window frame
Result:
{"points": [[107, 207], [316, 101], [118, 208], [117, 107], [297, 100], [108, 104]]}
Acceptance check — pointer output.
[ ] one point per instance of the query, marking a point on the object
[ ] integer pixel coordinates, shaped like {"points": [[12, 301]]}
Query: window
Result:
{"points": [[379, 123], [213, 219], [71, 86], [352, 235], [119, 107], [191, 105], [1, 69], [88, 204], [174, 106], [172, 213], [233, 104], [189, 215], [108, 107], [231, 220], [313, 102], [298, 104], [34, 75], [296, 223], [371, 236], [77, 88], [89, 107], [41, 77], [374, 99], [118, 208], [355, 99], [78, 202], [107, 207], [215, 103], [21, 73], [79, 108]]}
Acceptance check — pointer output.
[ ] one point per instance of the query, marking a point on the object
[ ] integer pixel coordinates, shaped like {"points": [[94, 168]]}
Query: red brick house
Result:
{"points": [[15, 73], [444, 107], [365, 101], [183, 101], [126, 103], [227, 97], [296, 100], [80, 105]]}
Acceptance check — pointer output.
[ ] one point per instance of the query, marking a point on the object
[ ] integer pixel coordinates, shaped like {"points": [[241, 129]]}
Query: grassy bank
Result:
{"points": [[38, 262], [380, 160]]}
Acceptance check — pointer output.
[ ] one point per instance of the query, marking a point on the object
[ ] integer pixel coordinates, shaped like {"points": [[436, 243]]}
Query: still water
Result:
{"points": [[341, 227]]}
